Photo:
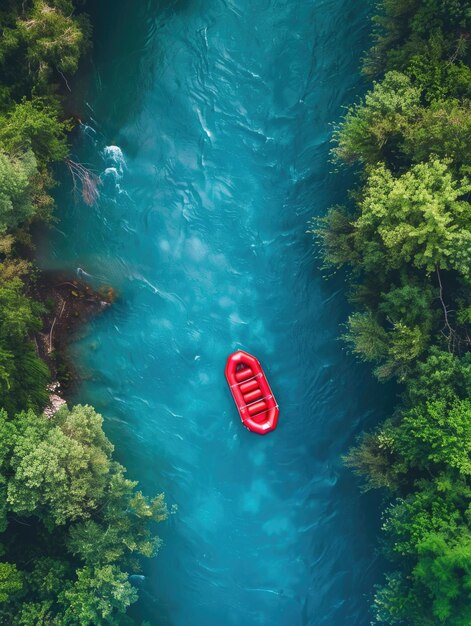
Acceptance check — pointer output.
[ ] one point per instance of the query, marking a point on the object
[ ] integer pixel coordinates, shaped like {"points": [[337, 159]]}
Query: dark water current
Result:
{"points": [[210, 125]]}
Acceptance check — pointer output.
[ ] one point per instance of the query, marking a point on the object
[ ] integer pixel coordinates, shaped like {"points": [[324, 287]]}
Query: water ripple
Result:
{"points": [[207, 188]]}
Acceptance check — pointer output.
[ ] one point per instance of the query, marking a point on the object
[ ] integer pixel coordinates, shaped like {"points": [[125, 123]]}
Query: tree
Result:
{"points": [[374, 459], [11, 582], [34, 124], [395, 602], [444, 571], [111, 536], [436, 435], [23, 376], [417, 219], [59, 467], [33, 614], [395, 350], [54, 38], [405, 29], [99, 597], [439, 70], [372, 130], [407, 243], [439, 505], [440, 129], [441, 376], [15, 189], [87, 524]]}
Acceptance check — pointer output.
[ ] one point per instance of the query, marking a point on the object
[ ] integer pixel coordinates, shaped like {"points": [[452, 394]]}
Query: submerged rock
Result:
{"points": [[71, 303]]}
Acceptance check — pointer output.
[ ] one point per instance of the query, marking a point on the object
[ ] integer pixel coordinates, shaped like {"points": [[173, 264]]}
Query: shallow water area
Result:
{"points": [[210, 127]]}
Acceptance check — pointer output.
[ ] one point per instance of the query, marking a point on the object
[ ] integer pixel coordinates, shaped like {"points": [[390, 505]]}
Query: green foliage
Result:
{"points": [[112, 537], [441, 129], [395, 350], [336, 236], [437, 589], [11, 582], [54, 39], [441, 375], [436, 435], [45, 39], [430, 437], [433, 72], [407, 28], [92, 597], [417, 219], [410, 304], [15, 189], [395, 601], [441, 505], [34, 124], [23, 376], [375, 461], [405, 231], [393, 126], [58, 467], [444, 571], [45, 573], [34, 614], [98, 597], [91, 523], [372, 130]]}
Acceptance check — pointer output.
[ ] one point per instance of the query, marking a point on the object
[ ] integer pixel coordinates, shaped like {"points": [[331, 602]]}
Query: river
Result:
{"points": [[210, 125]]}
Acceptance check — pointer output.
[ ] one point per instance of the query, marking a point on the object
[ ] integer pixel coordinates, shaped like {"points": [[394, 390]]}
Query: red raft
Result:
{"points": [[254, 399]]}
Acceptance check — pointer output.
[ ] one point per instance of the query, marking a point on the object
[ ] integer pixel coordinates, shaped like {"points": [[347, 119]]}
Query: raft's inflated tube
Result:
{"points": [[243, 374], [249, 386], [254, 399], [253, 395], [257, 407]]}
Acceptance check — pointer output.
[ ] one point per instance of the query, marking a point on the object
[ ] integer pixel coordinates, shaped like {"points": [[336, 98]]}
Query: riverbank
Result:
{"points": [[73, 527], [405, 238], [70, 305]]}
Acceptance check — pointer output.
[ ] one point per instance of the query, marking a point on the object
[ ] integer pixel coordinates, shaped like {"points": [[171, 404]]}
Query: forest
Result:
{"points": [[404, 241], [73, 526]]}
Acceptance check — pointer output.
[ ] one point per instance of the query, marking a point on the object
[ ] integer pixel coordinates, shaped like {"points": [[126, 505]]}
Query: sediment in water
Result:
{"points": [[70, 304]]}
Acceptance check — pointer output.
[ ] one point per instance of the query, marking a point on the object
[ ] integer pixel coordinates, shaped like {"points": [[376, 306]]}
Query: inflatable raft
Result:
{"points": [[254, 399]]}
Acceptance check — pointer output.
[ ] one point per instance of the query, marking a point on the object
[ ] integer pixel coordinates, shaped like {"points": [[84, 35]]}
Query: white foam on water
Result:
{"points": [[113, 172], [85, 129], [236, 319], [204, 126], [114, 159]]}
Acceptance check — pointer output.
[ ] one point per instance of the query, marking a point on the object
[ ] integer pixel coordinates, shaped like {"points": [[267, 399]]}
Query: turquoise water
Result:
{"points": [[209, 123]]}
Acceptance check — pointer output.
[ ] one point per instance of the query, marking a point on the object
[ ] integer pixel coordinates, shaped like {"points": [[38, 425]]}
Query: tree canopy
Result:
{"points": [[405, 238], [60, 476]]}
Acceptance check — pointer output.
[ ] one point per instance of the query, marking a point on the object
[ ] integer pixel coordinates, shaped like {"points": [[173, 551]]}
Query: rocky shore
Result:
{"points": [[70, 304]]}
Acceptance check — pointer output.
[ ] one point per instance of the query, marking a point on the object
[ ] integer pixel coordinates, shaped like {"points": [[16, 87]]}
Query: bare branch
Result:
{"points": [[85, 179], [52, 327], [64, 79], [451, 335]]}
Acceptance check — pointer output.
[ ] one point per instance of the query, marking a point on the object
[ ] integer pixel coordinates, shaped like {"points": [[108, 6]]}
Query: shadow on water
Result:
{"points": [[117, 63]]}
